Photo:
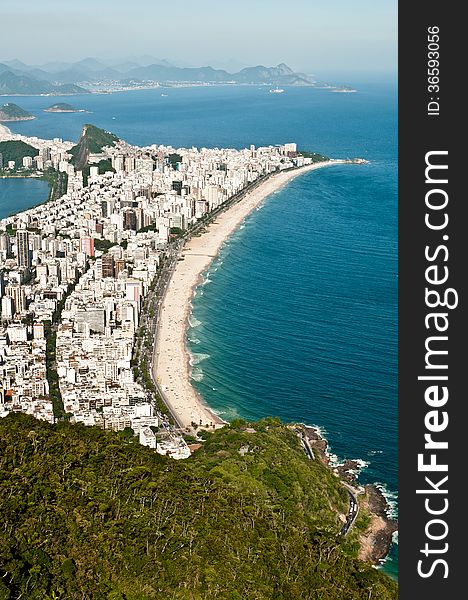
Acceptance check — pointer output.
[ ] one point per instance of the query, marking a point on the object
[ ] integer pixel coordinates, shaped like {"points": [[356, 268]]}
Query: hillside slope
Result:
{"points": [[13, 112], [92, 141], [89, 514], [16, 150], [10, 83]]}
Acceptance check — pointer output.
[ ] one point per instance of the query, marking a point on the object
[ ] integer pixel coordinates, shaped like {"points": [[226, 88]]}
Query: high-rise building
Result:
{"points": [[118, 163], [39, 162], [5, 243], [87, 246], [107, 207], [108, 265], [177, 186], [8, 308], [130, 220], [290, 148], [38, 331], [16, 292], [22, 249], [129, 164], [144, 165], [119, 266], [45, 153], [133, 290]]}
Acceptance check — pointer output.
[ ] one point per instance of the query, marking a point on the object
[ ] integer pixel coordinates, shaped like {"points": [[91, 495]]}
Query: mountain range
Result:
{"points": [[58, 78]]}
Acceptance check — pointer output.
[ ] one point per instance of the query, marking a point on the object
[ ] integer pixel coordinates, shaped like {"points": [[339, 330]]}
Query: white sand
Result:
{"points": [[5, 133], [171, 365]]}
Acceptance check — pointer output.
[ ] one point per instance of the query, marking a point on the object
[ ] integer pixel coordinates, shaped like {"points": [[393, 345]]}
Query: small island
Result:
{"points": [[344, 90], [13, 112], [63, 107]]}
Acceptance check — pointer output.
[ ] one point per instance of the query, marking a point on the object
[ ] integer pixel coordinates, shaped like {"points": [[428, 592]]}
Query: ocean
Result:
{"points": [[297, 317]]}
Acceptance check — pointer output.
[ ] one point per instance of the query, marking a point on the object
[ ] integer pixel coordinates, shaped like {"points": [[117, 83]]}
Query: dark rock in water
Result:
{"points": [[377, 538]]}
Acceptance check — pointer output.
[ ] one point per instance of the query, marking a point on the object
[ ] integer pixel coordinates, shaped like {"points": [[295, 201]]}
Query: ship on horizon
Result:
{"points": [[276, 90]]}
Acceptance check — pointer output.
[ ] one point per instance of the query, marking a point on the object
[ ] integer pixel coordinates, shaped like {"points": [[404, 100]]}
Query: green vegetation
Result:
{"points": [[146, 380], [86, 513], [173, 159], [315, 156], [103, 245], [16, 150], [52, 375], [151, 227], [58, 183], [103, 166], [177, 231], [61, 107], [92, 141], [13, 112], [50, 331]]}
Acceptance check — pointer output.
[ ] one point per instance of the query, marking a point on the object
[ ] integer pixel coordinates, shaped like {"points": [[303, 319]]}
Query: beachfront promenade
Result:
{"points": [[171, 367]]}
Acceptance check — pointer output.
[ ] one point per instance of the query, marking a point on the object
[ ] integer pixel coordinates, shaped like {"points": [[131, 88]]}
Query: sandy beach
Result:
{"points": [[171, 367]]}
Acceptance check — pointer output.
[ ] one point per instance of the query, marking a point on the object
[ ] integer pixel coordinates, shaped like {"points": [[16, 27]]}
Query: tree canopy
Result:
{"points": [[88, 513]]}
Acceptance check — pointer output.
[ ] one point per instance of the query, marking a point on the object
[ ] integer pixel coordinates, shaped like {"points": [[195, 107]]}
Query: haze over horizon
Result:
{"points": [[309, 36]]}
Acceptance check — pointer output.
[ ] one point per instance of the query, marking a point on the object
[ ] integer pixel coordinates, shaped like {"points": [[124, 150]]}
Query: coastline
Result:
{"points": [[16, 119], [171, 359], [377, 538]]}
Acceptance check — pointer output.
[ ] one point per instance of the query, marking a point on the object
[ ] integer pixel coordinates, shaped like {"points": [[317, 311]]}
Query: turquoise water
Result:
{"points": [[20, 194], [298, 315]]}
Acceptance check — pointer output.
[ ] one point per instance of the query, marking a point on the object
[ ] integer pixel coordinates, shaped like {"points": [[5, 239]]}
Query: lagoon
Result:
{"points": [[17, 194]]}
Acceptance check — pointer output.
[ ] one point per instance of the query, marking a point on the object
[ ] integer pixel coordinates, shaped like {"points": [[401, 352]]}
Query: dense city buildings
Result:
{"points": [[76, 272]]}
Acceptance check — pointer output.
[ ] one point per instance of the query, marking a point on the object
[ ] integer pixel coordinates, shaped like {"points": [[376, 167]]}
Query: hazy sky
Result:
{"points": [[309, 35]]}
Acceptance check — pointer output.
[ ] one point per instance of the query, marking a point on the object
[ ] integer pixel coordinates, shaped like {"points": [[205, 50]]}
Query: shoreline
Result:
{"points": [[377, 538], [171, 367]]}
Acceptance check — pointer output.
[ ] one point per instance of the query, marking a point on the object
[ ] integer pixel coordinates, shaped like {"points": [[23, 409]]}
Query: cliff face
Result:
{"points": [[92, 141], [90, 513]]}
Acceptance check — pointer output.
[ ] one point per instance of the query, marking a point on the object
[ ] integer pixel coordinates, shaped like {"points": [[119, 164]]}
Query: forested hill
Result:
{"points": [[89, 514], [92, 141]]}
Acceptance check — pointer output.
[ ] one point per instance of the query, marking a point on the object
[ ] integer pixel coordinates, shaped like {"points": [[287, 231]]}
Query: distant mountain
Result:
{"points": [[92, 141], [10, 83], [162, 73], [147, 68], [90, 64], [17, 64], [13, 112], [282, 74], [279, 75]]}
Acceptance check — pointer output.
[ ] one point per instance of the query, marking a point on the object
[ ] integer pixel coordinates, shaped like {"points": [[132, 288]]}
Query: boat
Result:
{"points": [[164, 95], [276, 91]]}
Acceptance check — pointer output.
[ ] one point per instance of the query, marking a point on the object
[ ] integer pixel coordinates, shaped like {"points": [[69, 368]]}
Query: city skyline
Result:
{"points": [[310, 37]]}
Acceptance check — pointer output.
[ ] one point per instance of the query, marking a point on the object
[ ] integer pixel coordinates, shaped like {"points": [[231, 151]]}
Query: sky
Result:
{"points": [[314, 36]]}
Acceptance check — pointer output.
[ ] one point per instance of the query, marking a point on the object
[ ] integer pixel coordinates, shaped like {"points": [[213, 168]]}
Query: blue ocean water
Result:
{"points": [[298, 315], [19, 194]]}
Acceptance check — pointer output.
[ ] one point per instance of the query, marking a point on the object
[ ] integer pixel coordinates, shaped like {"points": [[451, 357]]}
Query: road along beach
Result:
{"points": [[171, 366]]}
